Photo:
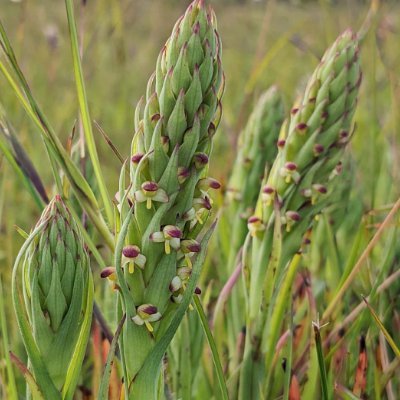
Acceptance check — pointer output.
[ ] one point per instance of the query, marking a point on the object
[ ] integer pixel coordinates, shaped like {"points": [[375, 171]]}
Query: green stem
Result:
{"points": [[11, 385], [213, 348], [103, 391], [321, 361], [84, 109]]}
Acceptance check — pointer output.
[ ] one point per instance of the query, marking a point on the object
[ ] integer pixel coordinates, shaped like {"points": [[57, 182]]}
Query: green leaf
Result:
{"points": [[213, 348], [84, 109], [389, 339], [103, 390], [11, 385]]}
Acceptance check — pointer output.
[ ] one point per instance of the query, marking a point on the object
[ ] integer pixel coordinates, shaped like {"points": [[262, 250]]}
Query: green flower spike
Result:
{"points": [[169, 190], [55, 315], [300, 185]]}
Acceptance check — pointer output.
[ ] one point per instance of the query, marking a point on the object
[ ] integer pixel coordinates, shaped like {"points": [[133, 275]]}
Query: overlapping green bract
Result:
{"points": [[298, 187], [56, 285], [169, 185]]}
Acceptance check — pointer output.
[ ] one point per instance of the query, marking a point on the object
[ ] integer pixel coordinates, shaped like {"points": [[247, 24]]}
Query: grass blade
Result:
{"points": [[389, 339], [84, 109], [11, 385], [321, 360], [30, 380], [103, 395], [342, 290], [213, 347]]}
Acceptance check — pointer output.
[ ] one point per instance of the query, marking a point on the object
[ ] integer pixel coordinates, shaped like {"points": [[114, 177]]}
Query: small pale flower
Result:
{"points": [[149, 192], [255, 226], [165, 143], [184, 274], [132, 256], [175, 284], [301, 128], [136, 158], [200, 160], [208, 183], [171, 237], [177, 297], [110, 274], [201, 205], [267, 195], [318, 149], [317, 191], [183, 174], [189, 247], [289, 172], [145, 314], [290, 218], [195, 213]]}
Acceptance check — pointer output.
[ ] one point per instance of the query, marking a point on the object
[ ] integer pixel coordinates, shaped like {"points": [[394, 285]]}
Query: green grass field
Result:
{"points": [[264, 43]]}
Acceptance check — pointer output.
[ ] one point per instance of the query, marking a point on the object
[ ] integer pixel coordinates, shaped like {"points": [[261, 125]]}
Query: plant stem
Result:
{"points": [[84, 109], [213, 347]]}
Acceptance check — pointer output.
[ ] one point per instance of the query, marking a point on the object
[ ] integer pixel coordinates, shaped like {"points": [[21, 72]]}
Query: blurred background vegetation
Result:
{"points": [[264, 42]]}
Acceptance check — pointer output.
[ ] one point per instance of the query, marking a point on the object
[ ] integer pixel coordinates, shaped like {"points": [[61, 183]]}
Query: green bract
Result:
{"points": [[58, 292], [169, 187]]}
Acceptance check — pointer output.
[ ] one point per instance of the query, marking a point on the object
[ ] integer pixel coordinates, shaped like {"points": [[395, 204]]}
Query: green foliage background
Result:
{"points": [[263, 43]]}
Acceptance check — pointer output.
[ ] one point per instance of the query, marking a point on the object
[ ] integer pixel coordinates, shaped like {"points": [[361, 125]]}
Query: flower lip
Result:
{"points": [[191, 245], [155, 117], [200, 159], [318, 148], [214, 184], [302, 126], [149, 309], [320, 188], [281, 143], [173, 231], [268, 190], [291, 166], [131, 251], [293, 215], [150, 186], [106, 272], [253, 219], [137, 157], [183, 173], [208, 183]]}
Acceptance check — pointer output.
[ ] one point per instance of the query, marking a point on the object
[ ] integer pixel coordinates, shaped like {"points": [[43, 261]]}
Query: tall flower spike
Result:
{"points": [[58, 294], [174, 128], [300, 182]]}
